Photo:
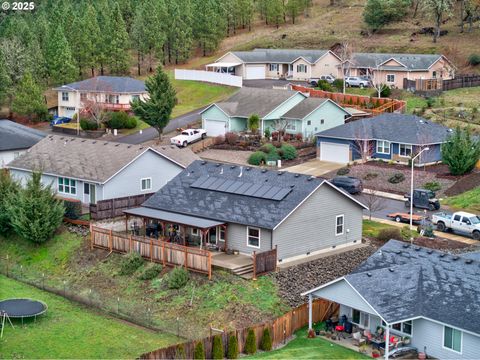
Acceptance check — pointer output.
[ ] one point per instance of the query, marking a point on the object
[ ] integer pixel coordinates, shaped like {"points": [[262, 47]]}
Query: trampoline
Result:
{"points": [[22, 308]]}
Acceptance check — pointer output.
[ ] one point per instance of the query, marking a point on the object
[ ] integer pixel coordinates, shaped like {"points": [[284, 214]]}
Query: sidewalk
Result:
{"points": [[384, 194]]}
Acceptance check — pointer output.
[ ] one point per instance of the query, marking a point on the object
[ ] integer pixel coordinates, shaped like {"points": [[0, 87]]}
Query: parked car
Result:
{"points": [[188, 136], [356, 81], [60, 120], [351, 184], [424, 199], [461, 221], [328, 78]]}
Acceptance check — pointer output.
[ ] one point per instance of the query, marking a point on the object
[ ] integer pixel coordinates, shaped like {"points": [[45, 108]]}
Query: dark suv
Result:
{"points": [[349, 183]]}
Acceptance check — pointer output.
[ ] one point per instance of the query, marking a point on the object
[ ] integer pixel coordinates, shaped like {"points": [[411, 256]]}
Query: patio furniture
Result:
{"points": [[339, 329], [358, 339]]}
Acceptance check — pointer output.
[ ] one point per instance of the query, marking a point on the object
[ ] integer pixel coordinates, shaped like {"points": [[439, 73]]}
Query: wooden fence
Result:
{"points": [[281, 329], [461, 81], [435, 86], [264, 262], [107, 209], [159, 251]]}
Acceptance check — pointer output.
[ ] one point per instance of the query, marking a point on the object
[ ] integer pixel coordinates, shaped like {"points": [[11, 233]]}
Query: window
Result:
{"points": [[322, 121], [309, 122], [457, 218], [146, 184], [339, 224], [383, 147], [83, 96], [67, 186], [390, 78], [452, 339], [113, 99], [195, 232], [434, 74], [360, 318], [135, 97], [291, 125], [356, 316], [16, 154], [302, 68], [64, 96], [221, 233], [273, 67], [403, 327], [253, 237], [405, 150]]}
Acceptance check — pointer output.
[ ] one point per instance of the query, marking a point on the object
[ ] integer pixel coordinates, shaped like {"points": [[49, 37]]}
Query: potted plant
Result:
{"points": [[311, 334], [375, 353]]}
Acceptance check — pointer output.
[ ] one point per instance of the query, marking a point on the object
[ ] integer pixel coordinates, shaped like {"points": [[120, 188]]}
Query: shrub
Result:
{"points": [[288, 152], [275, 135], [406, 233], [250, 343], [287, 137], [299, 137], [220, 139], [432, 185], [199, 352], [150, 272], [131, 122], [430, 101], [232, 351], [253, 123], [325, 86], [217, 348], [266, 344], [385, 92], [86, 124], [267, 148], [178, 278], [396, 178], [461, 152], [117, 120], [338, 84], [267, 133], [343, 171], [389, 233], [9, 189], [474, 59], [257, 158], [180, 352], [272, 156], [370, 176], [73, 208], [231, 138], [130, 263]]}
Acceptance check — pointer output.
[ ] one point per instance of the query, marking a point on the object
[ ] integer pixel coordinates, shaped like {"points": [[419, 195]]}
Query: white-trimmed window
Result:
{"points": [[83, 96], [405, 150], [64, 96], [339, 224], [390, 78], [113, 99], [273, 67], [301, 68], [67, 186], [70, 108], [383, 147], [291, 125], [309, 122], [253, 237], [452, 339], [360, 318], [405, 327], [146, 184], [221, 233], [195, 232]]}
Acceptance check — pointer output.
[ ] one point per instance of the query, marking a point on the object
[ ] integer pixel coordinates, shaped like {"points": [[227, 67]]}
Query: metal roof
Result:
{"points": [[14, 136], [109, 84]]}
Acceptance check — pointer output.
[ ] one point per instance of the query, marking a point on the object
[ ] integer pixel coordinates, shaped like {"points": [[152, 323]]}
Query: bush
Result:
{"points": [[151, 272], [287, 137], [180, 352], [299, 137], [131, 122], [390, 233], [253, 123], [461, 152], [86, 124], [257, 158], [220, 139], [178, 278], [385, 92], [267, 133], [432, 185], [217, 348], [266, 344], [199, 352], [130, 263], [117, 120], [288, 152], [474, 59], [338, 84], [324, 85], [430, 101], [73, 208], [231, 138], [396, 178], [370, 176], [251, 343], [232, 351], [343, 171], [267, 148], [272, 156], [9, 189]]}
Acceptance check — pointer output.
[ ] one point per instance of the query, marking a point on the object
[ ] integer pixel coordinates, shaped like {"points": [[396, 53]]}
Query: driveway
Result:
{"points": [[269, 83], [315, 167]]}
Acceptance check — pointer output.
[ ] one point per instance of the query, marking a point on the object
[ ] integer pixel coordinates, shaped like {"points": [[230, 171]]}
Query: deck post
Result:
{"points": [[144, 228], [110, 240], [254, 266], [151, 249], [209, 265], [130, 243], [163, 253], [126, 224], [310, 315], [186, 258], [91, 237], [387, 341], [225, 238]]}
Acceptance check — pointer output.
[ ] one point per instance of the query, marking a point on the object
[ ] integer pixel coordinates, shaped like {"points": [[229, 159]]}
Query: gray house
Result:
{"points": [[93, 170], [251, 209], [430, 297]]}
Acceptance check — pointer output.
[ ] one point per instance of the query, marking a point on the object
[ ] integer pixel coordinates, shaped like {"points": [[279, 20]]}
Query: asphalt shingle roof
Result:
{"points": [[15, 136], [93, 160], [402, 281], [400, 128], [279, 55], [412, 62], [110, 84], [304, 108]]}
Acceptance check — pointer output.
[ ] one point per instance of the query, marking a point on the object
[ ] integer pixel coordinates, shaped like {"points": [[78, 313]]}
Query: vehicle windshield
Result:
{"points": [[184, 133], [431, 195], [475, 220]]}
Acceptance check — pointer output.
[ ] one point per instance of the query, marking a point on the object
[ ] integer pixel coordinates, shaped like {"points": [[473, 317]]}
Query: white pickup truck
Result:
{"points": [[461, 222], [188, 136]]}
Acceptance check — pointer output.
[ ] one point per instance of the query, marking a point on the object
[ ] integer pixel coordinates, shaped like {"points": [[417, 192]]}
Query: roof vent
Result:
{"points": [[468, 261], [164, 148], [442, 255], [398, 252], [94, 142], [217, 164], [292, 186], [233, 166], [264, 171], [241, 171], [429, 251], [248, 168], [221, 171], [455, 258], [417, 248], [129, 146], [390, 269], [117, 145], [297, 175], [420, 121], [311, 178], [106, 143], [369, 274], [204, 162], [280, 173], [406, 246], [84, 140], [266, 180], [140, 148]]}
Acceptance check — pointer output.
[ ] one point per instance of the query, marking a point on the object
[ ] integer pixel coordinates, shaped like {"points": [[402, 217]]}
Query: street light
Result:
{"points": [[77, 107], [411, 186]]}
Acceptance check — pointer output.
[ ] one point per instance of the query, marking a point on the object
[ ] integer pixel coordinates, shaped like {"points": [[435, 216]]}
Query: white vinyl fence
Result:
{"points": [[208, 76]]}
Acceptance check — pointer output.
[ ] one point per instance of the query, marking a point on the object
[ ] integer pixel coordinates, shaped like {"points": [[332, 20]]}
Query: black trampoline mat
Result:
{"points": [[22, 307]]}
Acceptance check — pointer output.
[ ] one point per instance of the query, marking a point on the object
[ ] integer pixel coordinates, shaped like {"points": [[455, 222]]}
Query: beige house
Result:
{"points": [[113, 93]]}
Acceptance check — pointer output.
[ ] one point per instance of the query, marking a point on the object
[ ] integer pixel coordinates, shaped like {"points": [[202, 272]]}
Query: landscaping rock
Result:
{"points": [[78, 229]]}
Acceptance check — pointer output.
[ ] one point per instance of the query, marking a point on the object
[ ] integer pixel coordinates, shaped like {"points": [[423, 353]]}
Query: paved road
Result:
{"points": [[151, 133]]}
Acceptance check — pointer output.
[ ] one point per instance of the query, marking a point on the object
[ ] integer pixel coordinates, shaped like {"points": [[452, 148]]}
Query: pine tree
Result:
{"points": [[209, 25], [118, 57], [179, 40], [266, 344], [461, 152], [217, 348], [294, 8], [29, 99], [104, 19], [274, 12], [232, 351], [8, 190], [250, 343], [199, 352], [60, 65]]}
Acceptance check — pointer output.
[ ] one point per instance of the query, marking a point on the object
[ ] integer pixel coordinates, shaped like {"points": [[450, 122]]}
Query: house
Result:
{"points": [[251, 209], [428, 296], [286, 110], [293, 64], [15, 139], [387, 136], [93, 170], [113, 93]]}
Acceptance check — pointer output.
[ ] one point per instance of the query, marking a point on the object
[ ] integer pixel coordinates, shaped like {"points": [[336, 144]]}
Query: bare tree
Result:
{"points": [[374, 202], [376, 78], [280, 125], [93, 109], [345, 55], [363, 146]]}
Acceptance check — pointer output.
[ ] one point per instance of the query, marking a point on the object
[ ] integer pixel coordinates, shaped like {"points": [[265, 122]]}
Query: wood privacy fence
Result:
{"points": [[431, 86], [461, 81], [107, 209], [159, 251], [281, 329], [264, 262]]}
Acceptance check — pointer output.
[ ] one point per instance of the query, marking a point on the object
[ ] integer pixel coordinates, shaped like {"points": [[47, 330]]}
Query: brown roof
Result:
{"points": [[88, 159]]}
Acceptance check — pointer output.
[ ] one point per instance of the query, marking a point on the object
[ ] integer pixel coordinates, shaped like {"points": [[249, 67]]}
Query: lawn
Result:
{"points": [[372, 228], [467, 97], [303, 348], [69, 330], [469, 200], [140, 126]]}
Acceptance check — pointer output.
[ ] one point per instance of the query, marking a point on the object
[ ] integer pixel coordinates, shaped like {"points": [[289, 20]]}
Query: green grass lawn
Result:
{"points": [[469, 201], [69, 330], [467, 97], [140, 126], [372, 228], [303, 348]]}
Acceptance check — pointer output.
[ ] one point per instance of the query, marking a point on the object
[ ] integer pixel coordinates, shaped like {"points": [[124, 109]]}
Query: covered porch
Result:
{"points": [[224, 67]]}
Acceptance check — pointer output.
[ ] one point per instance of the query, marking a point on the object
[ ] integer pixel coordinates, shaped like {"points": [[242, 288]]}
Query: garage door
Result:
{"points": [[215, 128], [255, 72], [339, 153]]}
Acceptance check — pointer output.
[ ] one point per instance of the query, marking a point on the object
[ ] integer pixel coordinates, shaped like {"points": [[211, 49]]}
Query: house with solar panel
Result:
{"points": [[242, 209]]}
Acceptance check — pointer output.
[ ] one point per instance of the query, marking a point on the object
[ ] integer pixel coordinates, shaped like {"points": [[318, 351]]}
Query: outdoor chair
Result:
{"points": [[358, 340]]}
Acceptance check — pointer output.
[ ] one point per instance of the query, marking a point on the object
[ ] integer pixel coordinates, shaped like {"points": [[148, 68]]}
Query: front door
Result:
{"points": [[212, 236], [89, 196]]}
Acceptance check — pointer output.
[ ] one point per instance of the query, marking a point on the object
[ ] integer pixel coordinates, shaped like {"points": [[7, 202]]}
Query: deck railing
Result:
{"points": [[264, 262]]}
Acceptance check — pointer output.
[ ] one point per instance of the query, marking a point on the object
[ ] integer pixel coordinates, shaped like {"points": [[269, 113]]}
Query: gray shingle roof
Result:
{"points": [[93, 160], [305, 107], [248, 101], [399, 128], [412, 62], [178, 196], [15, 136], [279, 55], [113, 84], [402, 281]]}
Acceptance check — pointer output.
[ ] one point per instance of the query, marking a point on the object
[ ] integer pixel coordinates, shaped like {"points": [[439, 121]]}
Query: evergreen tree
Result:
{"points": [[179, 30], [118, 57], [29, 99], [250, 343], [209, 25], [217, 348], [461, 152], [378, 13], [199, 352], [60, 65], [294, 8], [157, 109], [266, 344], [274, 12], [104, 16], [8, 190], [245, 12], [232, 350]]}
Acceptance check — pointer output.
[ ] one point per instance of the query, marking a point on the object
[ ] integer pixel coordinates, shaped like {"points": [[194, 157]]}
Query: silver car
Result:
{"points": [[357, 81]]}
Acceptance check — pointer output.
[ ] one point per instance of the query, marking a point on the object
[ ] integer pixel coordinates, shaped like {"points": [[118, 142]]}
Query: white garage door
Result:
{"points": [[255, 72], [215, 128], [339, 153]]}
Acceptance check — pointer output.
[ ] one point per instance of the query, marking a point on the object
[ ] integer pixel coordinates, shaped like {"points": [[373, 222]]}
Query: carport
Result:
{"points": [[223, 67]]}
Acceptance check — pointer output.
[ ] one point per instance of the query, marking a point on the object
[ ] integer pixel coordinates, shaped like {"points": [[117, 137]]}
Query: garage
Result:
{"points": [[339, 153], [254, 72], [215, 127]]}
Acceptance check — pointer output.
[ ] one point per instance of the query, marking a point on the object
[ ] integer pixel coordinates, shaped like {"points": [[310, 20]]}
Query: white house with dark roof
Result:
{"points": [[113, 93]]}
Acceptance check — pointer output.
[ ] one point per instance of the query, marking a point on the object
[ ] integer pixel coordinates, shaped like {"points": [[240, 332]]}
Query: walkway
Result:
{"points": [[315, 167]]}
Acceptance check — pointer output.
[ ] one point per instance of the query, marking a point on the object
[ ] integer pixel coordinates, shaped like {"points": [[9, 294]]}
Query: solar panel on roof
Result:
{"points": [[207, 182], [242, 189], [281, 194], [216, 184], [233, 188], [270, 193], [262, 191], [252, 189], [225, 185]]}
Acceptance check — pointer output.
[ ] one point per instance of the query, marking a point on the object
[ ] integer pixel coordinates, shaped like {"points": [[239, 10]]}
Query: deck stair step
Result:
{"points": [[245, 269]]}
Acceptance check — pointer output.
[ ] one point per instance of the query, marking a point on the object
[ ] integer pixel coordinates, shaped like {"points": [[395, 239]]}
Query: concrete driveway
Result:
{"points": [[315, 167]]}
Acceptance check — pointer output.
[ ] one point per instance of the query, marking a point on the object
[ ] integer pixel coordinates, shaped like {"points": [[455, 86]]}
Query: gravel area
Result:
{"points": [[226, 156]]}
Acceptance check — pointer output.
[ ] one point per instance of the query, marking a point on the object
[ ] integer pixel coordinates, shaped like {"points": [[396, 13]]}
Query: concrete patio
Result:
{"points": [[315, 167]]}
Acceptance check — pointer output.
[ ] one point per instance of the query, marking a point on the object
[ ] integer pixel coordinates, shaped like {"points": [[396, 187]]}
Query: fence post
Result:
{"points": [[130, 243], [163, 253], [151, 249], [209, 265], [254, 266], [186, 258], [110, 239], [91, 237]]}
